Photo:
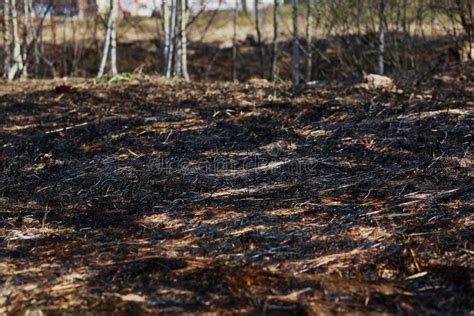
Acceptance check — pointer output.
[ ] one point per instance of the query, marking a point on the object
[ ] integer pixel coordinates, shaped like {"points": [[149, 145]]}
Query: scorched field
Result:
{"points": [[155, 196]]}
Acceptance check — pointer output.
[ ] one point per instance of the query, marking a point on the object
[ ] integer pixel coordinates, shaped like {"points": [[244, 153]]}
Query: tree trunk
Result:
{"points": [[34, 35], [244, 6], [467, 21], [309, 39], [234, 41], [381, 36], [419, 17], [259, 39], [184, 42], [172, 36], [108, 33], [64, 66], [404, 18], [113, 39], [6, 38], [167, 37], [295, 60], [24, 55], [17, 61], [40, 39], [177, 40], [275, 40]]}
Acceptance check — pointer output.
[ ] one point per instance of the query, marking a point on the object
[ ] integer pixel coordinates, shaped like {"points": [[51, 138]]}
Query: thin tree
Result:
{"points": [[183, 39], [16, 56], [234, 41], [381, 36], [109, 43], [171, 39], [295, 60], [38, 32], [113, 40], [177, 40], [6, 37], [34, 33], [167, 37], [405, 26], [275, 39], [25, 48], [309, 38], [65, 47], [259, 38], [244, 6]]}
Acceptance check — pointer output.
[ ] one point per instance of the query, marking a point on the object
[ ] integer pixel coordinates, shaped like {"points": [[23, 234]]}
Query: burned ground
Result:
{"points": [[164, 196]]}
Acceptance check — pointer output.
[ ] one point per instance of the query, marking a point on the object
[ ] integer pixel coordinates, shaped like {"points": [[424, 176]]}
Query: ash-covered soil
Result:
{"points": [[164, 196]]}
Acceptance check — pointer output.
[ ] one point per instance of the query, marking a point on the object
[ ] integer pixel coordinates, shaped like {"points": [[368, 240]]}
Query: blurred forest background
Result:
{"points": [[302, 40]]}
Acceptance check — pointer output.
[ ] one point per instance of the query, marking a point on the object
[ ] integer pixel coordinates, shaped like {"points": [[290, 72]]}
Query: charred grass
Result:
{"points": [[165, 196]]}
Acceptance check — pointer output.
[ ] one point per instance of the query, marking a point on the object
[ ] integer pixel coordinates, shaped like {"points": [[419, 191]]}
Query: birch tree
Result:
{"points": [[6, 25], [175, 47], [113, 40], [170, 36], [167, 38], [295, 59], [16, 56], [110, 42], [183, 56]]}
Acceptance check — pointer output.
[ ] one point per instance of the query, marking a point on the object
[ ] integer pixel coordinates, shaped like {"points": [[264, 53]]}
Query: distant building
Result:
{"points": [[141, 8], [213, 5], [147, 8], [144, 8], [53, 7]]}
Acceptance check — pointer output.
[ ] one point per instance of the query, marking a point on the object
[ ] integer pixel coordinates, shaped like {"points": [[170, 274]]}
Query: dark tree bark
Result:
{"points": [[381, 37], [295, 60], [6, 26], [309, 38], [275, 40], [259, 39]]}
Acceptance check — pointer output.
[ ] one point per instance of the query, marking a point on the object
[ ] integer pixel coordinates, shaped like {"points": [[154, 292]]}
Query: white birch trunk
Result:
{"points": [[167, 37], [17, 61], [184, 43], [172, 37], [107, 40]]}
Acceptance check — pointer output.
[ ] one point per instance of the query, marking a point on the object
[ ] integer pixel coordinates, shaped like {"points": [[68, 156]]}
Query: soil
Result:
{"points": [[154, 196]]}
